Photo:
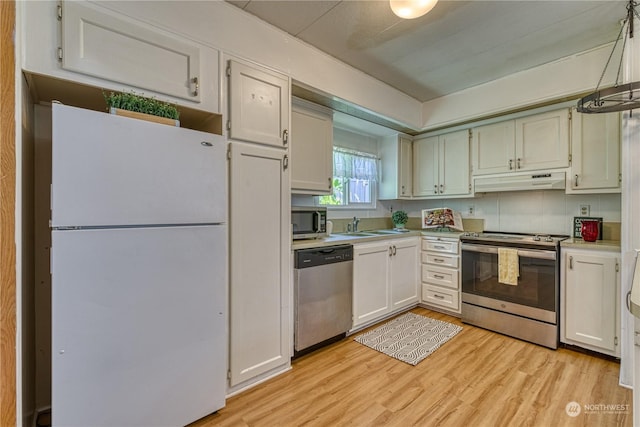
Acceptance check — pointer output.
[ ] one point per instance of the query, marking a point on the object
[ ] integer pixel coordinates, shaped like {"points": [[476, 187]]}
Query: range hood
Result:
{"points": [[519, 182]]}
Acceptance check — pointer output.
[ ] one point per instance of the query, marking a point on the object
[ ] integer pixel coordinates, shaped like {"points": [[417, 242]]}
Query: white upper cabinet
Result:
{"points": [[542, 141], [493, 148], [396, 178], [311, 148], [441, 165], [595, 153], [259, 105], [86, 43], [536, 142]]}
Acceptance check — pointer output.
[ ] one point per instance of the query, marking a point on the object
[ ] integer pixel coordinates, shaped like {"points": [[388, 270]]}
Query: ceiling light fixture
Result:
{"points": [[620, 97], [410, 9]]}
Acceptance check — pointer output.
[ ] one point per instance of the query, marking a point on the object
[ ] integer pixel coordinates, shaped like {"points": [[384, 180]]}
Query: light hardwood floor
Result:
{"points": [[478, 378]]}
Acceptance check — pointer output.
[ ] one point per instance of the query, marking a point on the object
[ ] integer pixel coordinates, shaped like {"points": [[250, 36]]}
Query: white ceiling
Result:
{"points": [[459, 44]]}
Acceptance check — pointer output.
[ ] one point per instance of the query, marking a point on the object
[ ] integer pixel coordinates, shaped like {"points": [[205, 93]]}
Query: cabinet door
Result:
{"points": [[259, 271], [370, 276], [403, 274], [396, 178], [454, 163], [105, 45], [425, 157], [542, 141], [493, 148], [311, 151], [258, 105], [595, 151], [405, 167], [590, 300]]}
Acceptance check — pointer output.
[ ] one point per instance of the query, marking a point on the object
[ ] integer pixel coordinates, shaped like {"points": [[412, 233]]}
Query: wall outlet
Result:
{"points": [[585, 210], [471, 210]]}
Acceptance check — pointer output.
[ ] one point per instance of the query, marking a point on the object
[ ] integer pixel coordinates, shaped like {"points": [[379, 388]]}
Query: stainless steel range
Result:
{"points": [[510, 284]]}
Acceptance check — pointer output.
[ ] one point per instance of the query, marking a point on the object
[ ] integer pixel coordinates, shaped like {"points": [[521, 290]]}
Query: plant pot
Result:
{"points": [[143, 116], [399, 226]]}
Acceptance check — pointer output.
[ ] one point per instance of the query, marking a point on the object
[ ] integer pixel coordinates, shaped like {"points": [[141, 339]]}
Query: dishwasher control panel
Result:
{"points": [[305, 258]]}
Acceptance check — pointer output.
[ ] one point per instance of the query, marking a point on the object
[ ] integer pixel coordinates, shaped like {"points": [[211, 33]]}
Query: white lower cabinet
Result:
{"points": [[441, 273], [589, 300], [385, 278], [259, 274]]}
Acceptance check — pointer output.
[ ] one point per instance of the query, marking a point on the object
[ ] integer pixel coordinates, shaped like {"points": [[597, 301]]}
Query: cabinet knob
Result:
{"points": [[285, 137], [575, 180], [441, 188], [435, 188], [510, 164], [518, 165]]}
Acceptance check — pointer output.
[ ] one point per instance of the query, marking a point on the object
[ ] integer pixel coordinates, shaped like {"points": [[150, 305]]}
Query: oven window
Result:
{"points": [[536, 284]]}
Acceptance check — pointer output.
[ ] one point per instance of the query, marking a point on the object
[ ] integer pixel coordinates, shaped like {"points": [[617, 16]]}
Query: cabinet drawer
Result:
{"points": [[438, 259], [440, 296], [440, 276], [440, 246]]}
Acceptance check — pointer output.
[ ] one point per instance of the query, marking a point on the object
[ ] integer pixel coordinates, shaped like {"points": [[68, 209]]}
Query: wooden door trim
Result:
{"points": [[8, 319]]}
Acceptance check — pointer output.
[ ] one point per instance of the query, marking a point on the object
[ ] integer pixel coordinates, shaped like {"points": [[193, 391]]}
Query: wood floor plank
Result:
{"points": [[478, 378]]}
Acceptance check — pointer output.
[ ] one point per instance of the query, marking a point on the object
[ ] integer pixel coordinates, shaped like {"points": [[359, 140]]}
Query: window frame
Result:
{"points": [[372, 182]]}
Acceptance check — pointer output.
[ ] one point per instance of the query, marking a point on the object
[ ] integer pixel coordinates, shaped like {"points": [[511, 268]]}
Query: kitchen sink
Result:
{"points": [[358, 233], [370, 233], [379, 232]]}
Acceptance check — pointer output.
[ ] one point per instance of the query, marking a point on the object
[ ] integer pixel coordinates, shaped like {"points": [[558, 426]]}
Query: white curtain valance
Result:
{"points": [[354, 165]]}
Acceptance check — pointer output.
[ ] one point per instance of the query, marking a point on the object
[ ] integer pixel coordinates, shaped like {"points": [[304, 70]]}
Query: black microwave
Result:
{"points": [[308, 222]]}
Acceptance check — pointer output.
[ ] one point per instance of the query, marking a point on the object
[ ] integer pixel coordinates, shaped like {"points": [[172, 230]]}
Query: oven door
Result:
{"points": [[534, 296]]}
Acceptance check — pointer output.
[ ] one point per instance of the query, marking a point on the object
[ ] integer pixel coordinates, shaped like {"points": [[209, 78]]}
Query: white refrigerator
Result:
{"points": [[139, 271]]}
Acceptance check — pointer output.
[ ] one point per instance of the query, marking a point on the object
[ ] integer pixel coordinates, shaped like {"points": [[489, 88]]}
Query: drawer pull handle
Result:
{"points": [[197, 86], [437, 276], [438, 296], [438, 260], [439, 247]]}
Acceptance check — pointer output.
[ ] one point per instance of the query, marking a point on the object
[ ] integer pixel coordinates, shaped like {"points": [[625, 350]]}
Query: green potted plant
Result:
{"points": [[136, 105], [399, 219]]}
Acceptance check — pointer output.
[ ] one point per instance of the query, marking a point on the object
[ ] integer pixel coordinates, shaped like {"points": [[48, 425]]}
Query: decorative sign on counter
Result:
{"points": [[577, 225], [442, 217]]}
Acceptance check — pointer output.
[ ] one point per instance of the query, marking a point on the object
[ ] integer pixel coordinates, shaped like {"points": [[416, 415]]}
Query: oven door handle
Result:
{"points": [[529, 253]]}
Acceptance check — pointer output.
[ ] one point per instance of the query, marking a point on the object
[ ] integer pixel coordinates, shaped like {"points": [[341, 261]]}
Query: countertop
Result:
{"points": [[598, 245], [342, 239]]}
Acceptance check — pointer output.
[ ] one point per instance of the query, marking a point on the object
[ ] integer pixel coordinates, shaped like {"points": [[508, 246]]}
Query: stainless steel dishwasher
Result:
{"points": [[322, 296]]}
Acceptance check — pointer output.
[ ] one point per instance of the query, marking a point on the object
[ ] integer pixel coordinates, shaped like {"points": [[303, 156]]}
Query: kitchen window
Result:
{"points": [[354, 180]]}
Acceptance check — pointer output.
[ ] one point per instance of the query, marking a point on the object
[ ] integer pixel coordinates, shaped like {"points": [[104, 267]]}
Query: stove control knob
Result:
{"points": [[536, 238], [548, 239]]}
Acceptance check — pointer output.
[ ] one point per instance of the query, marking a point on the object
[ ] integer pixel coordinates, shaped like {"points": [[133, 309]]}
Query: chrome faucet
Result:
{"points": [[354, 224]]}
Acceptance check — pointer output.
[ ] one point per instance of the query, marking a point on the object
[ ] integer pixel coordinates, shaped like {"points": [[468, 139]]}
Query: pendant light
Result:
{"points": [[620, 97], [410, 9]]}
